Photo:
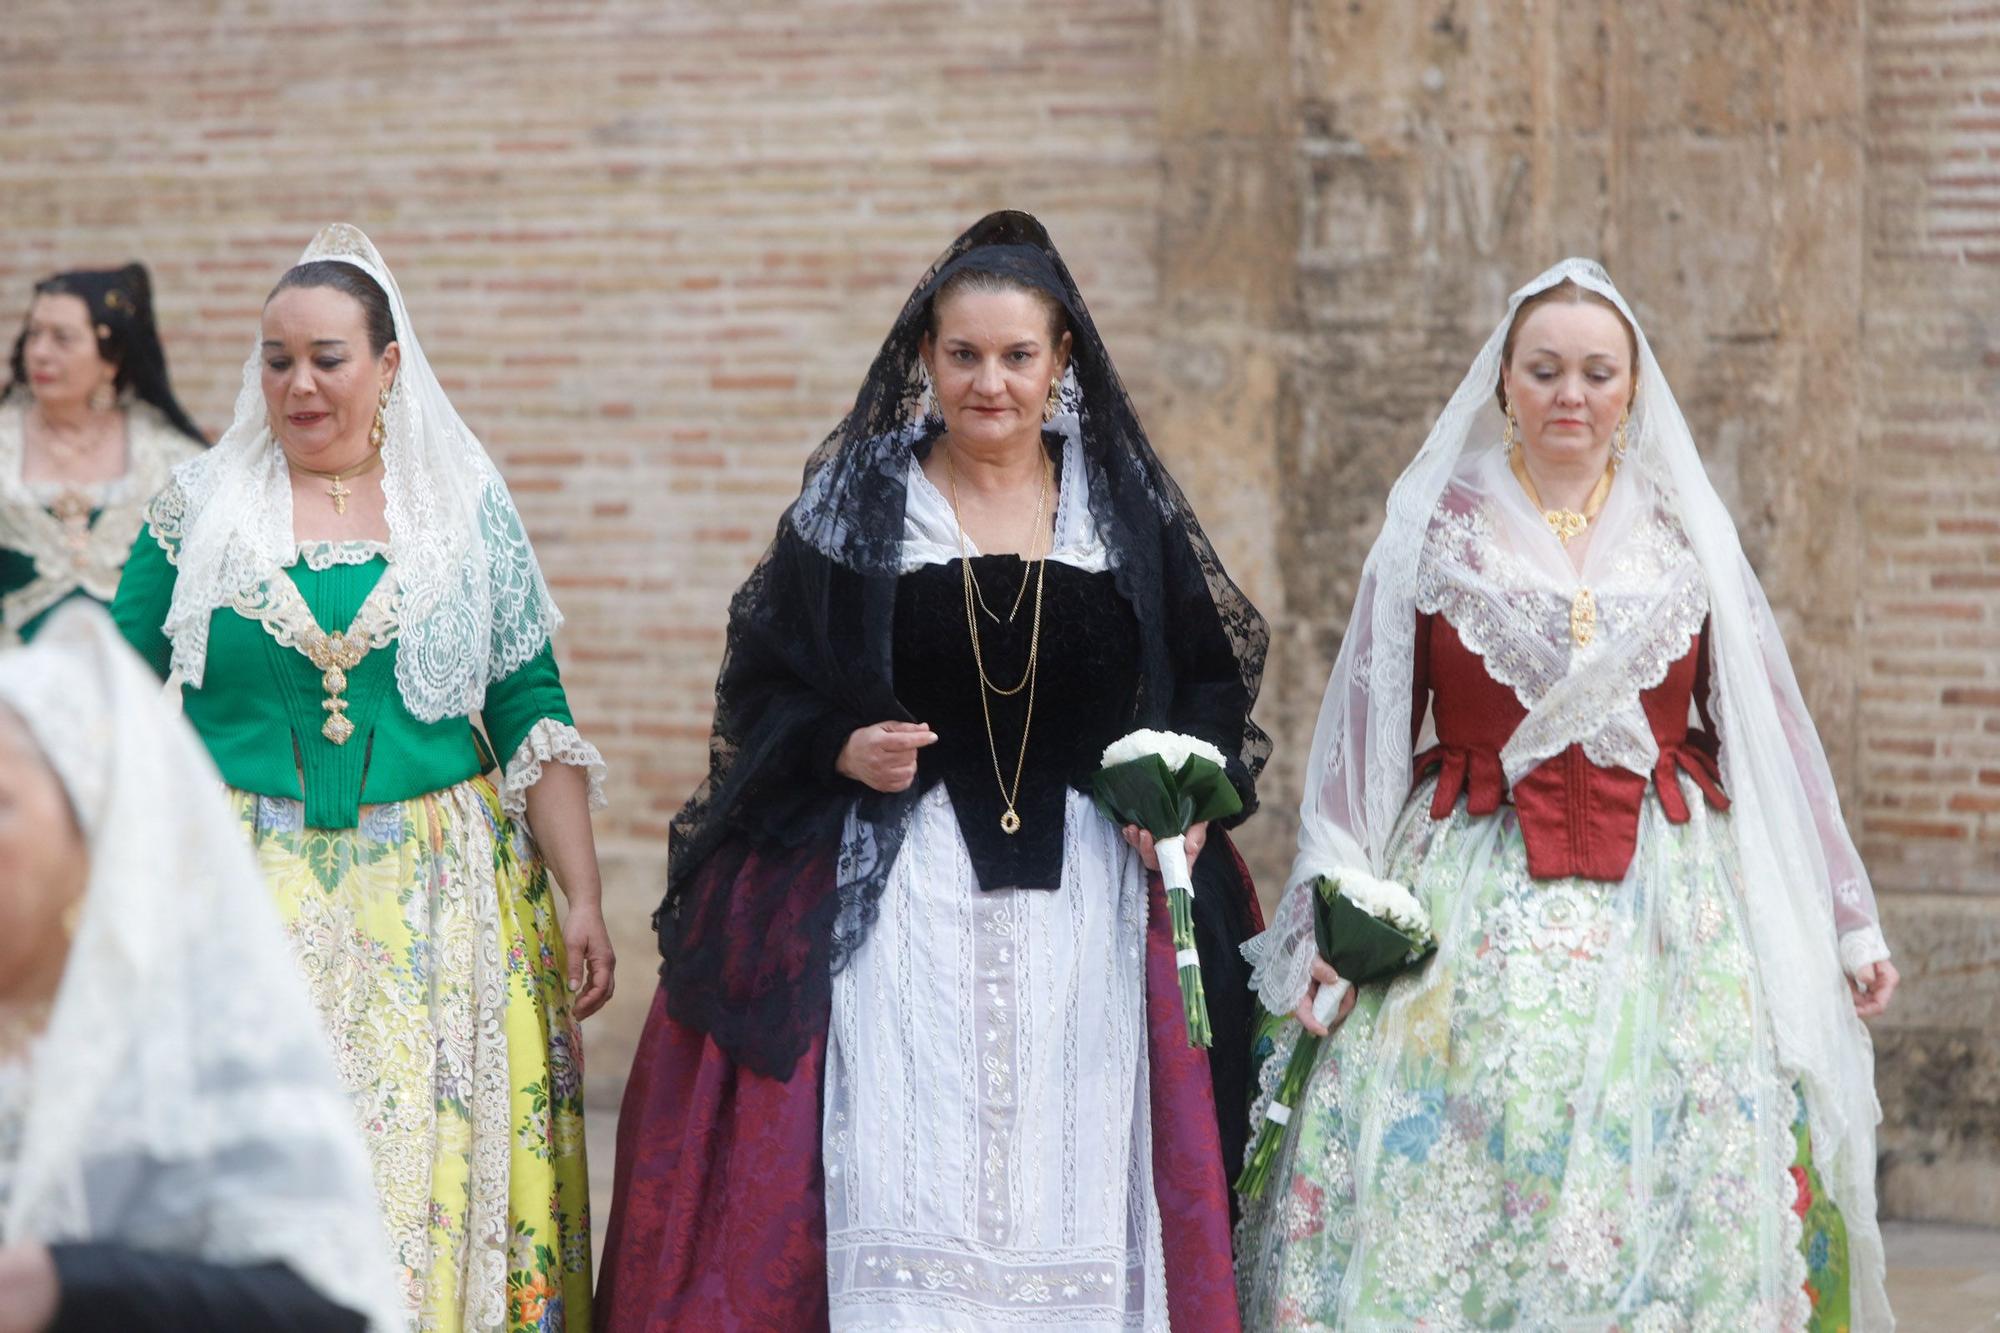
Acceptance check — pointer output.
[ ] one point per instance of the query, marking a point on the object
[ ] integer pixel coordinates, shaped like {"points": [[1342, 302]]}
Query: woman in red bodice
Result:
{"points": [[1631, 1088]]}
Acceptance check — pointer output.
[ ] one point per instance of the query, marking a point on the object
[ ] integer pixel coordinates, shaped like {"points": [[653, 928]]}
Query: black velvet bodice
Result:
{"points": [[1086, 693]]}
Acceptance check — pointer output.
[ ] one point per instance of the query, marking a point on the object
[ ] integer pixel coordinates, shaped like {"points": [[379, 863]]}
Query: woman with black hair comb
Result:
{"points": [[89, 430]]}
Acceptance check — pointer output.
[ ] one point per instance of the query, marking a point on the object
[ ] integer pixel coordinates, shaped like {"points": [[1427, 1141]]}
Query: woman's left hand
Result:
{"points": [[29, 1289], [591, 962], [1196, 835], [1873, 987]]}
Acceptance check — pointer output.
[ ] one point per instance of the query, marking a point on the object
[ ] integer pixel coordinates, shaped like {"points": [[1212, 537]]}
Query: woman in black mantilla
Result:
{"points": [[919, 1051], [89, 430]]}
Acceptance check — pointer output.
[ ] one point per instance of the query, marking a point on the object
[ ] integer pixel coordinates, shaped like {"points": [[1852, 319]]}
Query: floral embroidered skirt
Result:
{"points": [[429, 939], [1570, 1117]]}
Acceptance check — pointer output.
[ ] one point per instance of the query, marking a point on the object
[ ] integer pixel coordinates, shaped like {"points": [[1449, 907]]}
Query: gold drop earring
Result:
{"points": [[1511, 437], [378, 434]]}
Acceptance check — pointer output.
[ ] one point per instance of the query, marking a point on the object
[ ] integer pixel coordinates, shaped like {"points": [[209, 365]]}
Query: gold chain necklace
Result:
{"points": [[1566, 524], [1010, 818], [339, 491], [1034, 531]]}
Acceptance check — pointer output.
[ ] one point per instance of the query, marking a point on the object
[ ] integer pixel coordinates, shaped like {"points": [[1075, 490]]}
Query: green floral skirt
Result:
{"points": [[1570, 1117], [430, 944]]}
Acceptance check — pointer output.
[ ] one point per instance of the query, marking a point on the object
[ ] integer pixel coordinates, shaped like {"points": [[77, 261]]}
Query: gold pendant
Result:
{"points": [[335, 655], [1583, 618], [1564, 523], [1010, 823], [72, 510], [339, 492]]}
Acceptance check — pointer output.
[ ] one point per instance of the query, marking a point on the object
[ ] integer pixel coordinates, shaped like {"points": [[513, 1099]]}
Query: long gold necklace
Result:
{"points": [[1034, 533], [1566, 524], [1010, 818], [339, 491]]}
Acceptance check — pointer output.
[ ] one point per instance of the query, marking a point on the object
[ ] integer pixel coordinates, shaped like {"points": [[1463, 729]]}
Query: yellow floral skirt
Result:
{"points": [[430, 943]]}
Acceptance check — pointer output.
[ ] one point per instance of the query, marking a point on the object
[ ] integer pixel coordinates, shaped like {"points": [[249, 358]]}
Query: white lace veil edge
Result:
{"points": [[183, 1097], [1804, 883], [475, 606]]}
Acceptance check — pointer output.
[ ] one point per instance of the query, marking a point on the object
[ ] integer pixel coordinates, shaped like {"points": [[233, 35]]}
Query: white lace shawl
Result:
{"points": [[475, 606], [184, 1099], [153, 447], [1460, 537]]}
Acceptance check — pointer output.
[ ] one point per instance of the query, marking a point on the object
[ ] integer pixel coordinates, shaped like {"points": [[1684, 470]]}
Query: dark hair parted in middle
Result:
{"points": [[342, 277], [973, 279]]}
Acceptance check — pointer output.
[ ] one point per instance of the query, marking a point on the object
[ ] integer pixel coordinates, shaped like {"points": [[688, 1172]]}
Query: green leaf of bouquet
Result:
{"points": [[1361, 948], [1207, 790], [1141, 791]]}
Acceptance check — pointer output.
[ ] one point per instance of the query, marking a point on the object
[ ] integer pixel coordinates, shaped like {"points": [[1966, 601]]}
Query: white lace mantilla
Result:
{"points": [[1517, 619], [549, 742], [475, 605], [70, 558], [183, 1098]]}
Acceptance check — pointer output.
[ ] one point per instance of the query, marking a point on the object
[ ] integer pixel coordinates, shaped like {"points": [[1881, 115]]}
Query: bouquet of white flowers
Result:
{"points": [[1167, 783], [1369, 929]]}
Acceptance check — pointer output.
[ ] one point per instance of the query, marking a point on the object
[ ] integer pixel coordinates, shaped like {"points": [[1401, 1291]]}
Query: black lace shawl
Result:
{"points": [[809, 658]]}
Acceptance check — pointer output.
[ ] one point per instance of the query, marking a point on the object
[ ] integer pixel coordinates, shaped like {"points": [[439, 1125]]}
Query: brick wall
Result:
{"points": [[651, 249], [1929, 677]]}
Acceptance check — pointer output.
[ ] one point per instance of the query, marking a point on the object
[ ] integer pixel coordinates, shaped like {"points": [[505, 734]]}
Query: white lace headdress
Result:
{"points": [[1807, 898], [183, 1097], [474, 606]]}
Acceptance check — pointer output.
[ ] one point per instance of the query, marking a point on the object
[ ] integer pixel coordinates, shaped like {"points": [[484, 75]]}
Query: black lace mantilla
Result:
{"points": [[811, 655]]}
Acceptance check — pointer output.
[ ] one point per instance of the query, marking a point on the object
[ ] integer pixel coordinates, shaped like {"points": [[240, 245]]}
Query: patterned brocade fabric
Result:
{"points": [[1571, 1116], [429, 940]]}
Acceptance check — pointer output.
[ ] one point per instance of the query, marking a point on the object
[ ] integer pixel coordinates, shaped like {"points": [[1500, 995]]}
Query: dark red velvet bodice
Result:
{"points": [[1577, 818]]}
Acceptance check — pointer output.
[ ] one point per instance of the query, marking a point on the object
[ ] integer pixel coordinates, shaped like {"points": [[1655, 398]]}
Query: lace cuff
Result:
{"points": [[548, 742], [1281, 957], [1859, 948]]}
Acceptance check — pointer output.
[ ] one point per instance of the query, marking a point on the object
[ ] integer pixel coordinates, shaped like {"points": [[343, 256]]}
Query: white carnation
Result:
{"points": [[1172, 747], [1385, 900]]}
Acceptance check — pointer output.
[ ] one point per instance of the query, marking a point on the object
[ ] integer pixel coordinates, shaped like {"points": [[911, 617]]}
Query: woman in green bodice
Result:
{"points": [[89, 429], [337, 589]]}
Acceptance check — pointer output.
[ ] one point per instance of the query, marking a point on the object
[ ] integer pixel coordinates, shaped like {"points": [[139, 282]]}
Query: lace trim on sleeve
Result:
{"points": [[1859, 948], [549, 741], [1281, 958]]}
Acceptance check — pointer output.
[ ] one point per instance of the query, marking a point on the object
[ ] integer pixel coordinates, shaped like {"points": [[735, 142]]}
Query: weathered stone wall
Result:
{"points": [[1927, 675], [1800, 200], [652, 246]]}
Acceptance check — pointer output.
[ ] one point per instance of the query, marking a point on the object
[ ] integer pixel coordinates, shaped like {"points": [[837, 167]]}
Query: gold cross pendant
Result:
{"points": [[339, 492]]}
